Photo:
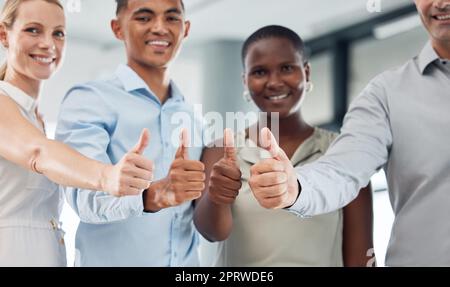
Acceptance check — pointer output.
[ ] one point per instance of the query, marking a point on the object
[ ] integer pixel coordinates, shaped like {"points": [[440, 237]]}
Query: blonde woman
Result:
{"points": [[33, 34]]}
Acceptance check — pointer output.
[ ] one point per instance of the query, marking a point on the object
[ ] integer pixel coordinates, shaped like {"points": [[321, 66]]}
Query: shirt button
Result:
{"points": [[176, 216], [54, 225]]}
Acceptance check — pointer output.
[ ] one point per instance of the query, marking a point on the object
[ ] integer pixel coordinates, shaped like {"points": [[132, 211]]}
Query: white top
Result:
{"points": [[30, 205]]}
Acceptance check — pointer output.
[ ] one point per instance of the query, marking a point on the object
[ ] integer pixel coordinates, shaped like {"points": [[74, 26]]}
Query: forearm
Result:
{"points": [[214, 221], [67, 167], [358, 230], [361, 149]]}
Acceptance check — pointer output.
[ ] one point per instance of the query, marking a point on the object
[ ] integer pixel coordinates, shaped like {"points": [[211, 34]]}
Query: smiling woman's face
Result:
{"points": [[275, 75], [36, 40]]}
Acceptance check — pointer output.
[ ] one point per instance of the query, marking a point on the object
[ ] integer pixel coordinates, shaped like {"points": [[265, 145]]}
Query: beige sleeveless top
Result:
{"points": [[262, 237]]}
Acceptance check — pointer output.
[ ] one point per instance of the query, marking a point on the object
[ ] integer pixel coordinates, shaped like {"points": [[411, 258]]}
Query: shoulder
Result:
{"points": [[94, 92], [395, 76], [324, 137]]}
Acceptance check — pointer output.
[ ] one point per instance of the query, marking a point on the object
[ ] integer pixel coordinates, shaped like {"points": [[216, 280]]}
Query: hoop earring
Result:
{"points": [[309, 87], [246, 96]]}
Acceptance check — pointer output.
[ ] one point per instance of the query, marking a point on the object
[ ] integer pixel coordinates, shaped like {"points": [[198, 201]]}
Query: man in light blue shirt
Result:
{"points": [[101, 119]]}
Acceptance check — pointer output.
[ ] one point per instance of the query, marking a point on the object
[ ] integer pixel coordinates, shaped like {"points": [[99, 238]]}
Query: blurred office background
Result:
{"points": [[350, 42]]}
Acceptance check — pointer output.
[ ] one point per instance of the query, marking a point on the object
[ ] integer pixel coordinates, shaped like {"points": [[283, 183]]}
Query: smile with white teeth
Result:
{"points": [[442, 17], [278, 98], [157, 43], [44, 60]]}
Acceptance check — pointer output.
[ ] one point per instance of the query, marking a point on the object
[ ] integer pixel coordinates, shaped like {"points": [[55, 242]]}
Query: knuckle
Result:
{"points": [[173, 175], [214, 177]]}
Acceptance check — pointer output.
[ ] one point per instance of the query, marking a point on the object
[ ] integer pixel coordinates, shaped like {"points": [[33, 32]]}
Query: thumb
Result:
{"points": [[182, 151], [144, 139], [269, 143], [228, 145]]}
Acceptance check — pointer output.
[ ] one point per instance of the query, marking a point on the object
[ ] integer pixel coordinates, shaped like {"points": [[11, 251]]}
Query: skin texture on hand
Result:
{"points": [[184, 182], [212, 215], [133, 173], [273, 181], [225, 178]]}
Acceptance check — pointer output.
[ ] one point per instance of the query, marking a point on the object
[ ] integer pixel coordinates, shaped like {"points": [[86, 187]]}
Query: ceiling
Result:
{"points": [[232, 19]]}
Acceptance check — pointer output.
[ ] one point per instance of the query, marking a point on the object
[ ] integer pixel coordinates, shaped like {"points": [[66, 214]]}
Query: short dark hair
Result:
{"points": [[124, 3], [274, 31]]}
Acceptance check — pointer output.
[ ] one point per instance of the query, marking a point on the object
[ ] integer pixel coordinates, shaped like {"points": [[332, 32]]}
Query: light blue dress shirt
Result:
{"points": [[103, 120]]}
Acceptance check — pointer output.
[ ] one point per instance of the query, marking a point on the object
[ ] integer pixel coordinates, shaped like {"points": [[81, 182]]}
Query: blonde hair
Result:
{"points": [[8, 17]]}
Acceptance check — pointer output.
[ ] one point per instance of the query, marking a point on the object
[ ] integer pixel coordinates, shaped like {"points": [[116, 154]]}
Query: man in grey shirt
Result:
{"points": [[400, 122]]}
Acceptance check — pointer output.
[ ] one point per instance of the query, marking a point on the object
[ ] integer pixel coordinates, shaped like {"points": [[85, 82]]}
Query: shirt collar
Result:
{"points": [[427, 56], [131, 81], [20, 97]]}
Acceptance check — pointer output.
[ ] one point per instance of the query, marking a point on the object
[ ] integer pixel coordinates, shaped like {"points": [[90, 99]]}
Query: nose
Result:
{"points": [[274, 82], [159, 26], [442, 4], [47, 42]]}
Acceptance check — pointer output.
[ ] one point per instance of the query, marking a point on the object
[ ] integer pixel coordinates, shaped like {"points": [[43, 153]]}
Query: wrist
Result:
{"points": [[150, 196], [105, 176], [295, 194], [214, 202]]}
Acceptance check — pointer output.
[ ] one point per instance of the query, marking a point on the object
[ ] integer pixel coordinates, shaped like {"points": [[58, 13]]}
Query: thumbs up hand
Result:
{"points": [[225, 178], [184, 182], [132, 173], [273, 181]]}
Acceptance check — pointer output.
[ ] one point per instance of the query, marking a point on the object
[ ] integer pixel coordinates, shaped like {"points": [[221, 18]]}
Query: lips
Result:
{"points": [[277, 98], [158, 43], [442, 17], [43, 59]]}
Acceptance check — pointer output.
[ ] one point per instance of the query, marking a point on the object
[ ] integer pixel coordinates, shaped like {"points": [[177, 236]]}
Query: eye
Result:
{"points": [[258, 73], [59, 34], [287, 68], [173, 19], [32, 30], [143, 19]]}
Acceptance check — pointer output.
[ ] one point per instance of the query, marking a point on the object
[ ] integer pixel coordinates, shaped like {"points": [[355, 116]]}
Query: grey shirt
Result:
{"points": [[400, 122]]}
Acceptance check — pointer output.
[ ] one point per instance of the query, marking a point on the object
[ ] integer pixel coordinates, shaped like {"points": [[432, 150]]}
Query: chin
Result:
{"points": [[42, 75]]}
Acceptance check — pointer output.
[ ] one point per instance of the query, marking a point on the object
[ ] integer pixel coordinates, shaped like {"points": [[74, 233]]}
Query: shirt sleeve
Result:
{"points": [[85, 123], [358, 152]]}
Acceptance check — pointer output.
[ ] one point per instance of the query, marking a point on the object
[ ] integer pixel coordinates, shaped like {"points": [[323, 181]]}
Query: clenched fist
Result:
{"points": [[132, 173], [273, 181], [184, 182], [225, 178]]}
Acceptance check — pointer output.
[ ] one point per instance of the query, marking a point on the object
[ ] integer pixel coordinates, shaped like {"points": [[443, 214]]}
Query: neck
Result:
{"points": [[30, 86], [293, 126], [442, 48], [157, 79]]}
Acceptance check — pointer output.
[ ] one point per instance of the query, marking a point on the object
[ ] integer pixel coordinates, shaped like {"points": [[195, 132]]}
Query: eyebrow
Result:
{"points": [[150, 11], [39, 24]]}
